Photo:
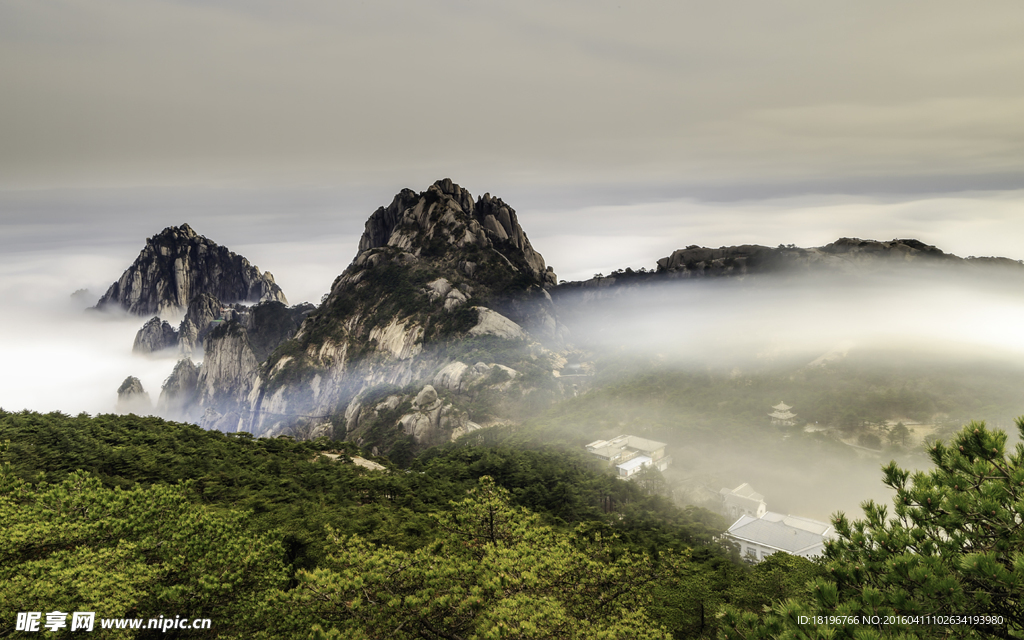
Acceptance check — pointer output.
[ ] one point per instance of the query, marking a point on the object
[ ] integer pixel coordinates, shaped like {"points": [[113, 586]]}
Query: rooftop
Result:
{"points": [[638, 461], [610, 448], [743, 491], [643, 444], [791, 534]]}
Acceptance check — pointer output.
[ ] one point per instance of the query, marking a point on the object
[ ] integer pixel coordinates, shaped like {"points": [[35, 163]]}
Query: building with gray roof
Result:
{"points": [[772, 532]]}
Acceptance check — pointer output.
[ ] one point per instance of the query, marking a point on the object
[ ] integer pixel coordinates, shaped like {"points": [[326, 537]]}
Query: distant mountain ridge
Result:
{"points": [[446, 320], [845, 255]]}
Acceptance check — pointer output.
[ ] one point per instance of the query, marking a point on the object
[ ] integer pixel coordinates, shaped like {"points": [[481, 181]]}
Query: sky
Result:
{"points": [[618, 131], [724, 96]]}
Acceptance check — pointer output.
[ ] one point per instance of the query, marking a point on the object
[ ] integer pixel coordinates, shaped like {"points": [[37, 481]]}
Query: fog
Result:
{"points": [[961, 325], [759, 319], [55, 242], [700, 363]]}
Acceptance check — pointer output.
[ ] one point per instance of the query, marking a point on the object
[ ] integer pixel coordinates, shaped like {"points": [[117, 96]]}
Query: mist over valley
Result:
{"points": [[693, 351]]}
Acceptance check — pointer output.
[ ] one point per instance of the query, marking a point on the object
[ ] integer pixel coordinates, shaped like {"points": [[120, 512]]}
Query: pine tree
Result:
{"points": [[955, 547], [497, 572]]}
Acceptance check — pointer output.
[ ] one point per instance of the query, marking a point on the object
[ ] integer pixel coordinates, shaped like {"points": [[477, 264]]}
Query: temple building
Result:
{"points": [[782, 416]]}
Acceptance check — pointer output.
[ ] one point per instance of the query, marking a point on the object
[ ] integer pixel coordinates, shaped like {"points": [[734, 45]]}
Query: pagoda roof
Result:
{"points": [[782, 415], [782, 406]]}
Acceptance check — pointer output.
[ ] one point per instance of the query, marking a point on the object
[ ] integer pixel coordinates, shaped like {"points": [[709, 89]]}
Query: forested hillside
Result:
{"points": [[142, 516]]}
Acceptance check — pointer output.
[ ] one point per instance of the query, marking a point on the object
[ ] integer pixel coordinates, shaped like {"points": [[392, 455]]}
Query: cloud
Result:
{"points": [[126, 92]]}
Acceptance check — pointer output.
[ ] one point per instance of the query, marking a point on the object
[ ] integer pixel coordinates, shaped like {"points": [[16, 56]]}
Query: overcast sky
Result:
{"points": [[619, 131], [697, 94]]}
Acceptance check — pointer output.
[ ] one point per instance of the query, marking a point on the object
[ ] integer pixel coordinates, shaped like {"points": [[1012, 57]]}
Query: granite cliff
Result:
{"points": [[178, 264], [439, 280]]}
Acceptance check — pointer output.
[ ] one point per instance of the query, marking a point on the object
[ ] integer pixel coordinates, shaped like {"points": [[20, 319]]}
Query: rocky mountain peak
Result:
{"points": [[445, 222], [155, 335], [186, 231], [178, 264], [434, 269]]}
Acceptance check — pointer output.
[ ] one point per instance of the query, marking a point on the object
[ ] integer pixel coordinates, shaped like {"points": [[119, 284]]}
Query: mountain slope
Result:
{"points": [[438, 276]]}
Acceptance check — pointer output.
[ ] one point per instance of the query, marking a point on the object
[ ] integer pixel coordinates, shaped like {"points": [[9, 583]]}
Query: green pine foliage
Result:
{"points": [[75, 545], [133, 517], [497, 572], [953, 546]]}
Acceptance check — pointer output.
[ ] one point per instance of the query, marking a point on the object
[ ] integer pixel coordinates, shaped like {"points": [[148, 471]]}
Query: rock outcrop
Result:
{"points": [[494, 324], [432, 421], [229, 373], [179, 395], [203, 310], [176, 265], [155, 335], [459, 377], [433, 269], [132, 398], [843, 254]]}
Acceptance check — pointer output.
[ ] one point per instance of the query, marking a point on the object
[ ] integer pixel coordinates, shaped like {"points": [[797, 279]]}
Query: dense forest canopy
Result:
{"points": [[278, 538]]}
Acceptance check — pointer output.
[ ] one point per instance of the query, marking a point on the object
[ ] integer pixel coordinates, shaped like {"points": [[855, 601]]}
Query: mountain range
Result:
{"points": [[447, 320]]}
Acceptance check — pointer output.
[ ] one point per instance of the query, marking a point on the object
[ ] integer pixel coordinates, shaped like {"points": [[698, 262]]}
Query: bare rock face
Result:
{"points": [[433, 268], [227, 377], [487, 223], [132, 398], [176, 265], [492, 323], [202, 310], [155, 335], [180, 393]]}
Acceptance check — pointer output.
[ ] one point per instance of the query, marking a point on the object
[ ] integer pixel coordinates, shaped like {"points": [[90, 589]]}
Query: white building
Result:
{"points": [[629, 454], [743, 501], [760, 537]]}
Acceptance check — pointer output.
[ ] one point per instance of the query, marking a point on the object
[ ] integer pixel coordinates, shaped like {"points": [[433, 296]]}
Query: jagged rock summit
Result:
{"points": [[155, 335], [445, 217], [178, 264], [434, 269]]}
